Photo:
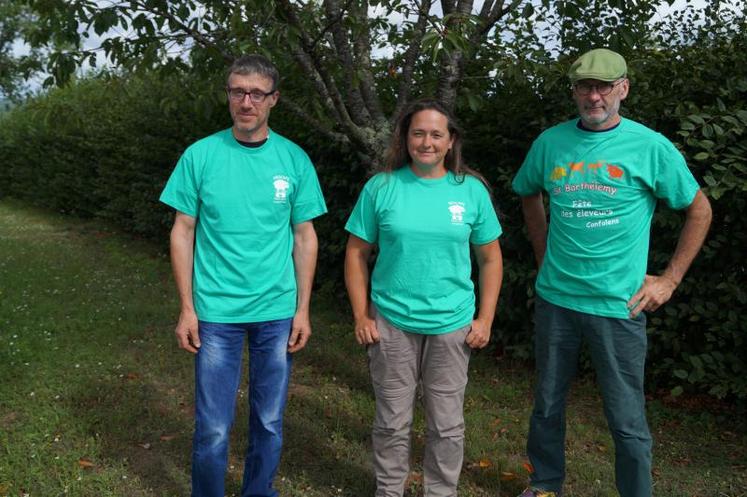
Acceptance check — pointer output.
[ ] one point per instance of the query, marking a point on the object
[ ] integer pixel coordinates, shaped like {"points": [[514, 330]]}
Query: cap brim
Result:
{"points": [[598, 77]]}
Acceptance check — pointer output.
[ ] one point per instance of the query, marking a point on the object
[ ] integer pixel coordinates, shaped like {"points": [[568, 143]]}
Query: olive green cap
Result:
{"points": [[601, 64]]}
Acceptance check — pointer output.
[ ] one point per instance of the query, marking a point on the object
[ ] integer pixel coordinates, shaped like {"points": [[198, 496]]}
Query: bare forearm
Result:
{"points": [[491, 275], [305, 250], [691, 239], [356, 281], [657, 290], [490, 261], [182, 260], [536, 222]]}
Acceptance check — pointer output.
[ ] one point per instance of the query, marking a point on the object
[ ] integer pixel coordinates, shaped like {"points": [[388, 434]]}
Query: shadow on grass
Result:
{"points": [[136, 424], [333, 351]]}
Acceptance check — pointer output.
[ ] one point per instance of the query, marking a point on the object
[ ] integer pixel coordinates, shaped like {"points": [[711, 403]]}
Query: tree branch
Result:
{"points": [[485, 10], [316, 124], [192, 33], [356, 107], [362, 50], [311, 66], [411, 56], [336, 19], [452, 62], [490, 19], [304, 60], [308, 57], [447, 6]]}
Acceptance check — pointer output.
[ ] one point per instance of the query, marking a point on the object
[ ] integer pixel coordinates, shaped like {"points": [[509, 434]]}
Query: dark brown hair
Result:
{"points": [[255, 64], [397, 155]]}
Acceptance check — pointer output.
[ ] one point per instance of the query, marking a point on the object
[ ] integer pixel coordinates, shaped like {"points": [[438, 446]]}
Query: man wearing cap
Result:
{"points": [[603, 175]]}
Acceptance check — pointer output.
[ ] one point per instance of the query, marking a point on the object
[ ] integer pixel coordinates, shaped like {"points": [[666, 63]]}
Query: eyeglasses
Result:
{"points": [[256, 96], [604, 89]]}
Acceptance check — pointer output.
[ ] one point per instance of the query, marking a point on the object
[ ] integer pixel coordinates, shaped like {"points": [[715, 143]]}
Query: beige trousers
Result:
{"points": [[398, 362]]}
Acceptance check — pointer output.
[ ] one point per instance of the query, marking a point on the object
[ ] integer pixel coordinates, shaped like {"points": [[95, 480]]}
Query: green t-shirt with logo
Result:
{"points": [[246, 201], [423, 227], [602, 189]]}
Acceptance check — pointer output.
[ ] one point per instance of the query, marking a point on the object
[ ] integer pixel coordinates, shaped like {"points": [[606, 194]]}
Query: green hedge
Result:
{"points": [[697, 97], [104, 147]]}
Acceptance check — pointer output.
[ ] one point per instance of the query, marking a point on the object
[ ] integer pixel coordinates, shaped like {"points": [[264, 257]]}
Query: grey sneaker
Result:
{"points": [[536, 492]]}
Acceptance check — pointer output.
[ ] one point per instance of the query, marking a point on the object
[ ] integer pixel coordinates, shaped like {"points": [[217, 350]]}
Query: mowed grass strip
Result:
{"points": [[96, 400]]}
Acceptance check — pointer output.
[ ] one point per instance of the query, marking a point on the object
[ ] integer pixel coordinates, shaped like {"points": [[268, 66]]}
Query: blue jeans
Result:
{"points": [[217, 374], [618, 352]]}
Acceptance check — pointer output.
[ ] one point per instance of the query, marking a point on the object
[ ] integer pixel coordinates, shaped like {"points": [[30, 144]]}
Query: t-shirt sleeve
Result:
{"points": [[486, 227], [309, 201], [530, 178], [182, 189], [363, 220], [673, 182]]}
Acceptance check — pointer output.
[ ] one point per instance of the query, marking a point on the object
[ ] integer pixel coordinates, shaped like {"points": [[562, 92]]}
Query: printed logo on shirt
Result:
{"points": [[457, 210], [580, 178], [597, 176], [281, 185], [590, 170]]}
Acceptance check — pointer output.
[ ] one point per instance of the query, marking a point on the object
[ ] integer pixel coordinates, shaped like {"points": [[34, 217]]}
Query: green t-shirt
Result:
{"points": [[246, 201], [602, 189], [423, 227]]}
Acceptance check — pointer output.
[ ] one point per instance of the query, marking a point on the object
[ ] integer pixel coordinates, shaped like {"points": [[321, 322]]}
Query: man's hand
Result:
{"points": [[479, 336], [300, 331], [655, 291], [186, 332], [305, 246], [366, 332]]}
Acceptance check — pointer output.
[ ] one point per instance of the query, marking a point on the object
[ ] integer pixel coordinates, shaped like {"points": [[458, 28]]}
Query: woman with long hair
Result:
{"points": [[423, 211]]}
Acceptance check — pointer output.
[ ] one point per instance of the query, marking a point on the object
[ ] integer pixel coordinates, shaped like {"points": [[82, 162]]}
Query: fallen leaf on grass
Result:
{"points": [[4, 488], [413, 478], [508, 476], [132, 376], [166, 438], [187, 409], [145, 446], [85, 463], [8, 419], [484, 463], [528, 467]]}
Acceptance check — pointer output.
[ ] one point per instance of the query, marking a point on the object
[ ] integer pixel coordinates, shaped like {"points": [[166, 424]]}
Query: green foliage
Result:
{"points": [[105, 146], [695, 95], [15, 22], [698, 338]]}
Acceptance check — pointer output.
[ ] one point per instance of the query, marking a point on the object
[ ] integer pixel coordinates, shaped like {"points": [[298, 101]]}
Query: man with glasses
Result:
{"points": [[603, 175], [243, 250]]}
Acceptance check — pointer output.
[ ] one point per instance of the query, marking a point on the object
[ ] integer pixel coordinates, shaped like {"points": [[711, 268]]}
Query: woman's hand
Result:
{"points": [[365, 331], [479, 336]]}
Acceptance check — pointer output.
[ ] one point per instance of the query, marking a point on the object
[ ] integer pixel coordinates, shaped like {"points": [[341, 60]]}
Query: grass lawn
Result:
{"points": [[96, 399]]}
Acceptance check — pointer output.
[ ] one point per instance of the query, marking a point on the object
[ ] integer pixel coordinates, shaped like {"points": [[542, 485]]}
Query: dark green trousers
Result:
{"points": [[618, 351]]}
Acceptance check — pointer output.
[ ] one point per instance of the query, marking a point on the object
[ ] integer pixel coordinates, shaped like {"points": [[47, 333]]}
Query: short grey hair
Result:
{"points": [[255, 64]]}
